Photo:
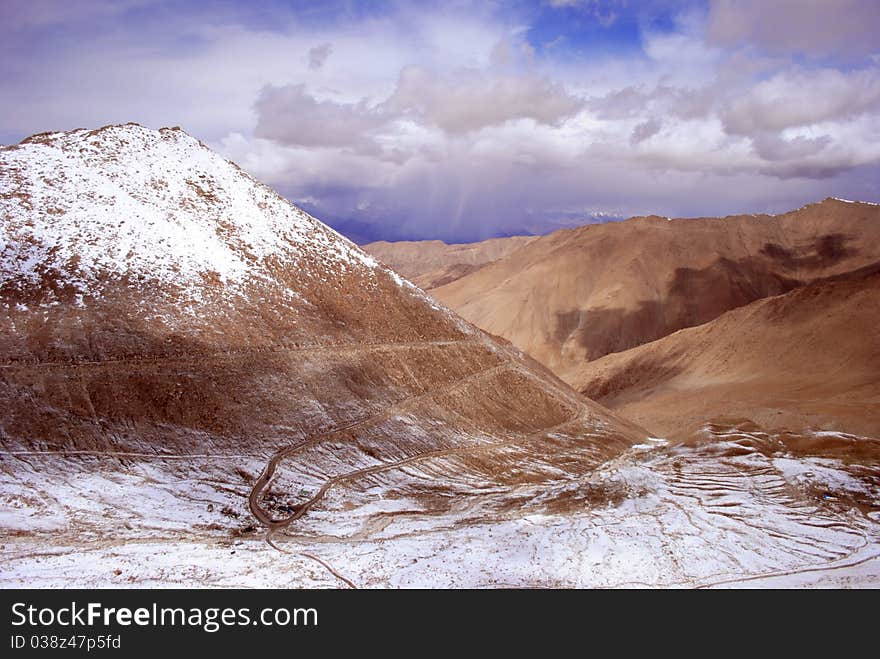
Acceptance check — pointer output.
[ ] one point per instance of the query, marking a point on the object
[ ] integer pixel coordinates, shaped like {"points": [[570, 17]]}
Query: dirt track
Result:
{"points": [[261, 483], [335, 348]]}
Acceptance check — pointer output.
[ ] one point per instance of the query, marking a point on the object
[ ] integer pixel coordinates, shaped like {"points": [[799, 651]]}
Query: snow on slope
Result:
{"points": [[737, 509], [164, 205], [850, 201]]}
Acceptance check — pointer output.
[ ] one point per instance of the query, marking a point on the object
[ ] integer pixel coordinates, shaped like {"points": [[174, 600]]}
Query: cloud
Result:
{"points": [[620, 103], [815, 28], [318, 55], [604, 11], [510, 52], [290, 115], [459, 103], [683, 103], [799, 98], [773, 148], [470, 100], [645, 130]]}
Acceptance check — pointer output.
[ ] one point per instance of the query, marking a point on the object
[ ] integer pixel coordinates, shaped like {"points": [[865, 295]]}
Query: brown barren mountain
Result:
{"points": [[576, 295], [432, 263], [808, 359], [158, 303]]}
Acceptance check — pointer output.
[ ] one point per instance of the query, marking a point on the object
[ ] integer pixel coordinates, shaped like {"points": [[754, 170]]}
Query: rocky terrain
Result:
{"points": [[202, 385]]}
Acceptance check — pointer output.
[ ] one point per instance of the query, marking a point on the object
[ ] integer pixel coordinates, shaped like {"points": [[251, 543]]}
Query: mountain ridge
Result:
{"points": [[579, 294]]}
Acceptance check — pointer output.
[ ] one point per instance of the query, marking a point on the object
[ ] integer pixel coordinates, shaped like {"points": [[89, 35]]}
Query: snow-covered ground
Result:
{"points": [[724, 513]]}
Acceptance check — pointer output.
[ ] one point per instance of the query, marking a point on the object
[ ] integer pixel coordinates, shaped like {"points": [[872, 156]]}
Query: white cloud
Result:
{"points": [[799, 98], [469, 100]]}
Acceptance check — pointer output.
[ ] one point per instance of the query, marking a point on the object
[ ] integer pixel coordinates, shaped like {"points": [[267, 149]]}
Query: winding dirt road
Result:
{"points": [[262, 482]]}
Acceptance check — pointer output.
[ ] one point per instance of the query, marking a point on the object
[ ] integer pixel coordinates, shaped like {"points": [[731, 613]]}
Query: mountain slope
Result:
{"points": [[577, 295], [432, 263], [202, 385], [169, 323], [807, 359]]}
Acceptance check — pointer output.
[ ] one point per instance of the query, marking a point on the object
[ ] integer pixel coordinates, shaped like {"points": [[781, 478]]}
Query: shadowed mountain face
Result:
{"points": [[432, 263], [575, 296], [807, 359]]}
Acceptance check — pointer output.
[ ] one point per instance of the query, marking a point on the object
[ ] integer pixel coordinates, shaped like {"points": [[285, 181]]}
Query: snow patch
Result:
{"points": [[850, 201], [650, 444]]}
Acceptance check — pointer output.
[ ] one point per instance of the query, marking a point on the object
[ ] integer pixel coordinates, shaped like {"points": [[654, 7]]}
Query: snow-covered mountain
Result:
{"points": [[153, 227], [170, 329]]}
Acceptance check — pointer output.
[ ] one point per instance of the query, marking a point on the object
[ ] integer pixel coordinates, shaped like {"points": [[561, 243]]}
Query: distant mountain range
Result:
{"points": [[363, 233], [574, 296]]}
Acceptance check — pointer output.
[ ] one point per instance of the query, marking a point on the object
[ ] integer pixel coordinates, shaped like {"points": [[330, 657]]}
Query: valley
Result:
{"points": [[205, 386]]}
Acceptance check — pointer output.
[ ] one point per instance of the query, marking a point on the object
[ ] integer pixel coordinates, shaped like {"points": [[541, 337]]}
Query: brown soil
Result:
{"points": [[807, 359], [576, 295]]}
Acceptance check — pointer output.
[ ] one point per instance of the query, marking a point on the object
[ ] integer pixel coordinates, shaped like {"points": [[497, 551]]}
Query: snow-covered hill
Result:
{"points": [[153, 229], [127, 201], [170, 329]]}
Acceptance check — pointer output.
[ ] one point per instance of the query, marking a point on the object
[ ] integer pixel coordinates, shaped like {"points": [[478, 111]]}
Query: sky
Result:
{"points": [[466, 120]]}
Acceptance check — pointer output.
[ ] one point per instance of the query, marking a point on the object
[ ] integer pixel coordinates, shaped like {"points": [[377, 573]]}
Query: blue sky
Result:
{"points": [[465, 120]]}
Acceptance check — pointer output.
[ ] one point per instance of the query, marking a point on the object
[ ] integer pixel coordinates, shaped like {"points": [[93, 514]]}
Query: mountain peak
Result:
{"points": [[130, 201], [130, 128]]}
